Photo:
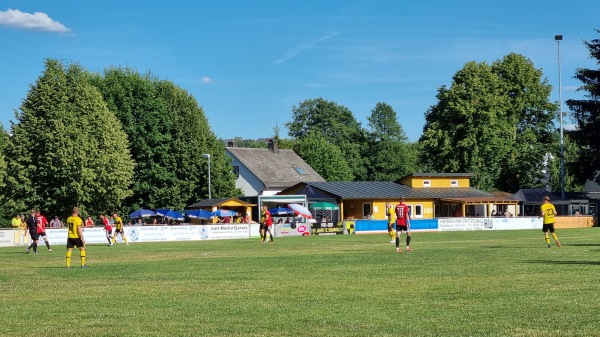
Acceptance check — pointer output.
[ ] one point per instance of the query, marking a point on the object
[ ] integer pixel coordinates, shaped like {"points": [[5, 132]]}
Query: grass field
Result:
{"points": [[493, 283]]}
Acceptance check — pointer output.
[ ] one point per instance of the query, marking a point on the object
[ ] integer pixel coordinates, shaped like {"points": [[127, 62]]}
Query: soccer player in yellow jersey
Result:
{"points": [[548, 212], [119, 228], [390, 212], [75, 237]]}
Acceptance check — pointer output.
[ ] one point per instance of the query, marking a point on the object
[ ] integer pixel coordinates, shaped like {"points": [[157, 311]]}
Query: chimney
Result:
{"points": [[231, 143], [273, 145]]}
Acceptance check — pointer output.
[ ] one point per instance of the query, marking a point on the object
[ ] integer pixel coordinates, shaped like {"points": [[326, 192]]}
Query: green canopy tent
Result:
{"points": [[325, 211]]}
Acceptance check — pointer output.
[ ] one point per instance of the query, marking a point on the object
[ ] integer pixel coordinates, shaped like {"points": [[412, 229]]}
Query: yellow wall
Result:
{"points": [[417, 182], [354, 208]]}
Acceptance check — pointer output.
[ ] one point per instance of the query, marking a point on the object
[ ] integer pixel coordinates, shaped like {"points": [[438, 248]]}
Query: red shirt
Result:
{"points": [[106, 224], [268, 218], [41, 223], [402, 214]]}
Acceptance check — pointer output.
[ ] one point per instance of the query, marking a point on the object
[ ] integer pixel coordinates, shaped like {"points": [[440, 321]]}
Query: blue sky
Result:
{"points": [[248, 62]]}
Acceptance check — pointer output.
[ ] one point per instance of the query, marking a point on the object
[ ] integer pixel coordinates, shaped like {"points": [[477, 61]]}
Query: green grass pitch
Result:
{"points": [[488, 283]]}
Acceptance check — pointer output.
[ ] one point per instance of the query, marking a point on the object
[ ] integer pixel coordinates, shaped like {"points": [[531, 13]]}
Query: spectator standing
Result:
{"points": [[55, 223]]}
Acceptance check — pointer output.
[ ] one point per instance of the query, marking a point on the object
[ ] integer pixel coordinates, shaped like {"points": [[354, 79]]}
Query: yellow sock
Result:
{"points": [[547, 239], [555, 237], [124, 239], [393, 235], [69, 253], [114, 240], [82, 252]]}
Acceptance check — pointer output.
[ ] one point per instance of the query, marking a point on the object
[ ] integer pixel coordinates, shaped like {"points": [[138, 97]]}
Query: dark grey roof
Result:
{"points": [[391, 190], [591, 186], [534, 196], [215, 202], [275, 169], [439, 175]]}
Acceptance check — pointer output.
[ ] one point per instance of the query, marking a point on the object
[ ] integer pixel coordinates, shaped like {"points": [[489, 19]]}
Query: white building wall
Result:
{"points": [[246, 181]]}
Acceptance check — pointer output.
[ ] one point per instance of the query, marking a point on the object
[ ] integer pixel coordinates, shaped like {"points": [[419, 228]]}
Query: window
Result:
{"points": [[426, 183], [418, 211], [299, 170], [454, 183], [236, 171]]}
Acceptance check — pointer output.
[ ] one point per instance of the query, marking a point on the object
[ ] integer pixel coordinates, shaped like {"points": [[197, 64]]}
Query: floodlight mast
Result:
{"points": [[558, 39], [207, 156]]}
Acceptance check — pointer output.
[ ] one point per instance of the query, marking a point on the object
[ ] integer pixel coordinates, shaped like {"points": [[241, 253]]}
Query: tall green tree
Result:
{"points": [[529, 115], [586, 113], [67, 148], [494, 121], [389, 156], [336, 124], [168, 135], [324, 157]]}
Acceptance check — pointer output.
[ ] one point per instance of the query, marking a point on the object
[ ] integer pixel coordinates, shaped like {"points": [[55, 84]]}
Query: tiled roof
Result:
{"points": [[275, 169], [392, 190]]}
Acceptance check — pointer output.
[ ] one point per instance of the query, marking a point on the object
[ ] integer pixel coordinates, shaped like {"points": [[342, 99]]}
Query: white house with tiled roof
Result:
{"points": [[268, 171]]}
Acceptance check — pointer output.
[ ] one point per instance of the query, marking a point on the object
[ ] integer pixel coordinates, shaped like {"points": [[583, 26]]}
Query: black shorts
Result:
{"points": [[34, 235], [548, 227], [42, 234], [117, 231], [390, 226], [401, 228], [71, 242]]}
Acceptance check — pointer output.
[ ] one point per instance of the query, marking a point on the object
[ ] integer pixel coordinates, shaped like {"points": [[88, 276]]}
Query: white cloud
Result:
{"points": [[36, 21], [206, 79], [303, 47]]}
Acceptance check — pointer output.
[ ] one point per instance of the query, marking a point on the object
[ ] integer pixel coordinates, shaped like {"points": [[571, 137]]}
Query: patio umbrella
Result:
{"points": [[174, 215], [199, 214], [224, 212], [281, 211], [301, 210], [162, 212], [324, 206], [142, 213]]}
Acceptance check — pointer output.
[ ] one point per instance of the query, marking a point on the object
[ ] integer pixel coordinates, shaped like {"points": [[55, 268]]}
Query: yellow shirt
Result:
{"points": [[16, 222], [119, 223], [390, 215], [549, 212], [73, 223]]}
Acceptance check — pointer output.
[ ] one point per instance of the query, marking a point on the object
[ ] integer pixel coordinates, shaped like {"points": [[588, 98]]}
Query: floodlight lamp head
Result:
{"points": [[557, 37], [206, 155]]}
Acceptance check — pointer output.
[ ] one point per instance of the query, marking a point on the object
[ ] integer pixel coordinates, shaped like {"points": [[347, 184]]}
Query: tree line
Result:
{"points": [[122, 140]]}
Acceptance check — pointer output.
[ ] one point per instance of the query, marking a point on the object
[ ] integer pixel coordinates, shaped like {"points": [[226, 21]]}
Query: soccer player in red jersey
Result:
{"points": [[107, 228], [267, 224], [41, 227], [402, 224]]}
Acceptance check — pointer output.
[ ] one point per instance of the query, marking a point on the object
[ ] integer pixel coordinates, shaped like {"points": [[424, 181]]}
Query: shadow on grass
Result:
{"points": [[592, 263], [507, 247], [583, 244]]}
